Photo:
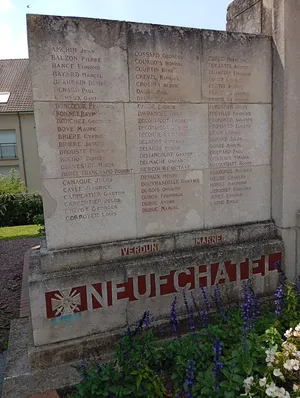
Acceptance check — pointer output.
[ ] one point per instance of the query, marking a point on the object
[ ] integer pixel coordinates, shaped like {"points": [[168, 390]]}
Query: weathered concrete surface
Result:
{"points": [[238, 58], [3, 356], [237, 7], [81, 257], [174, 52], [250, 16], [286, 138], [127, 150], [71, 303], [247, 21], [22, 382], [61, 44]]}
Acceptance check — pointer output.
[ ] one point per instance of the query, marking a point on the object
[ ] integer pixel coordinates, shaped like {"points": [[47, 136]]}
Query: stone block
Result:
{"points": [[86, 291], [79, 140], [90, 215], [237, 7], [20, 379], [244, 195], [177, 204], [71, 304], [164, 63], [176, 133], [117, 171], [239, 135], [77, 59], [81, 257], [248, 21], [289, 238], [236, 68]]}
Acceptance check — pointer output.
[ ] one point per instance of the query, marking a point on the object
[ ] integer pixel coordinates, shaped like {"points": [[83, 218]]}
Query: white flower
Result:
{"points": [[289, 347], [262, 382], [296, 387], [274, 391], [271, 352], [248, 383], [291, 364], [296, 333], [271, 390], [298, 327], [288, 365], [277, 373], [283, 393], [297, 354], [288, 333]]}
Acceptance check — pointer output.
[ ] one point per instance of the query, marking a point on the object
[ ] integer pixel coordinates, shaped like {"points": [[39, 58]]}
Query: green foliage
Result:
{"points": [[40, 221], [11, 184], [19, 232], [290, 315], [131, 375], [145, 366], [19, 209]]}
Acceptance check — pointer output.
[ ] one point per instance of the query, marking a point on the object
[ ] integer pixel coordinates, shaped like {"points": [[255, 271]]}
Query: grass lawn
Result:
{"points": [[21, 231]]}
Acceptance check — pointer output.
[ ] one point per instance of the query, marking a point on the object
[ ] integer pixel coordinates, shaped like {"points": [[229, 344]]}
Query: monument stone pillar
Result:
{"points": [[281, 21]]}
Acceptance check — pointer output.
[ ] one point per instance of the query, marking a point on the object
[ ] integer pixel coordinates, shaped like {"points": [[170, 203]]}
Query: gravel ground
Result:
{"points": [[11, 269]]}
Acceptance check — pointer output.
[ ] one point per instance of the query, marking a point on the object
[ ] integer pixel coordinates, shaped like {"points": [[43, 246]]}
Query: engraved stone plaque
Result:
{"points": [[236, 68], [77, 61], [166, 137], [164, 63], [145, 130]]}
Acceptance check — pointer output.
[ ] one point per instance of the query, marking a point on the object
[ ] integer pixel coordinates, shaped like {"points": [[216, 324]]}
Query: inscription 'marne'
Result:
{"points": [[208, 240]]}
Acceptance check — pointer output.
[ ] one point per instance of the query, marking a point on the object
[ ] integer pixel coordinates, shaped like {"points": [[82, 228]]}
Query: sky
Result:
{"points": [[205, 14]]}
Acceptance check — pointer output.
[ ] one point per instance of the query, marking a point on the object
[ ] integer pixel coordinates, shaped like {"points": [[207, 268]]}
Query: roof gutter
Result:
{"points": [[16, 113]]}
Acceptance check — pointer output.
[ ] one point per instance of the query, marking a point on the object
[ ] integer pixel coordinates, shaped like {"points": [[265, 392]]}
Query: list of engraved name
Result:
{"points": [[77, 73]]}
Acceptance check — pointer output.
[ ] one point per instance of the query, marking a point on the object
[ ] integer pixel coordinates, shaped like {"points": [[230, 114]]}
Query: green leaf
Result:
{"points": [[127, 391], [239, 379], [139, 380], [206, 391], [248, 366], [229, 394]]}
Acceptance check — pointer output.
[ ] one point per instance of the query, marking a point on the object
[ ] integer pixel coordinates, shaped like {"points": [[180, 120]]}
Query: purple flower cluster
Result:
{"points": [[207, 308], [185, 301], [147, 319], [205, 299], [219, 303], [189, 310], [279, 296], [218, 364], [192, 322], [250, 309], [173, 318], [196, 306], [190, 378], [202, 317]]}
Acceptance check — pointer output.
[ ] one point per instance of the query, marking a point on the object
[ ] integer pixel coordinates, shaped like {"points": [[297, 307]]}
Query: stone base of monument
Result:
{"points": [[81, 299], [20, 380]]}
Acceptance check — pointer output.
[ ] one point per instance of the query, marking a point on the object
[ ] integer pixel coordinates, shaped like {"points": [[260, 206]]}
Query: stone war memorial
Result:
{"points": [[162, 154]]}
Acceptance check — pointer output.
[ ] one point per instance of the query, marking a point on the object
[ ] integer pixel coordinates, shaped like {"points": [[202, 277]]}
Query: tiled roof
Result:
{"points": [[15, 78]]}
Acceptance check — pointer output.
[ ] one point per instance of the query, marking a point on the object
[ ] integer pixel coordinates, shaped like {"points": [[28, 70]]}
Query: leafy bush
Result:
{"points": [[40, 221], [11, 184], [19, 209], [234, 352]]}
